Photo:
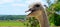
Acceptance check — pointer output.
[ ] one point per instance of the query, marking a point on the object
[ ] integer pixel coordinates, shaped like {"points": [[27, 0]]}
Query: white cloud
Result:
{"points": [[6, 1], [18, 4], [18, 0], [32, 1], [1, 2]]}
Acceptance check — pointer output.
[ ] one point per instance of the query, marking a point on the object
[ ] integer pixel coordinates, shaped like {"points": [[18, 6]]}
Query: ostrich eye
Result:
{"points": [[37, 5]]}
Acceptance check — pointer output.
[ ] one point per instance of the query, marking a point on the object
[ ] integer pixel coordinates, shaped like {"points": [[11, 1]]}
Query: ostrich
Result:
{"points": [[39, 13]]}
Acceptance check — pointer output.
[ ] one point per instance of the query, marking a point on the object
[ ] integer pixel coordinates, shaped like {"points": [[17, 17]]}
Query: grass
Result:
{"points": [[14, 23], [11, 23]]}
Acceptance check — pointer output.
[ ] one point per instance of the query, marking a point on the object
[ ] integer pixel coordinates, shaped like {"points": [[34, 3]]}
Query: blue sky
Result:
{"points": [[16, 7]]}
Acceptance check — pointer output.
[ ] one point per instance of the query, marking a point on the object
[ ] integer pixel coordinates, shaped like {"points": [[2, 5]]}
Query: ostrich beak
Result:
{"points": [[31, 9], [26, 11]]}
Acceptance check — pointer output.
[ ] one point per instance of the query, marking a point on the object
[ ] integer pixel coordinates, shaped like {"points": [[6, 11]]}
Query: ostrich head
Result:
{"points": [[35, 6]]}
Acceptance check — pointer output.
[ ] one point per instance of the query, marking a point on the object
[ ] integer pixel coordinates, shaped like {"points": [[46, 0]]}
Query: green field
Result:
{"points": [[11, 23]]}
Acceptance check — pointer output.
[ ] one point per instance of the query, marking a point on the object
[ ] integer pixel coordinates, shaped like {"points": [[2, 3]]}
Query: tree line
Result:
{"points": [[12, 17]]}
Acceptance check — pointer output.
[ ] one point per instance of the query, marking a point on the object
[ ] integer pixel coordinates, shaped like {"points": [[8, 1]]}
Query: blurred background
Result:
{"points": [[12, 12]]}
